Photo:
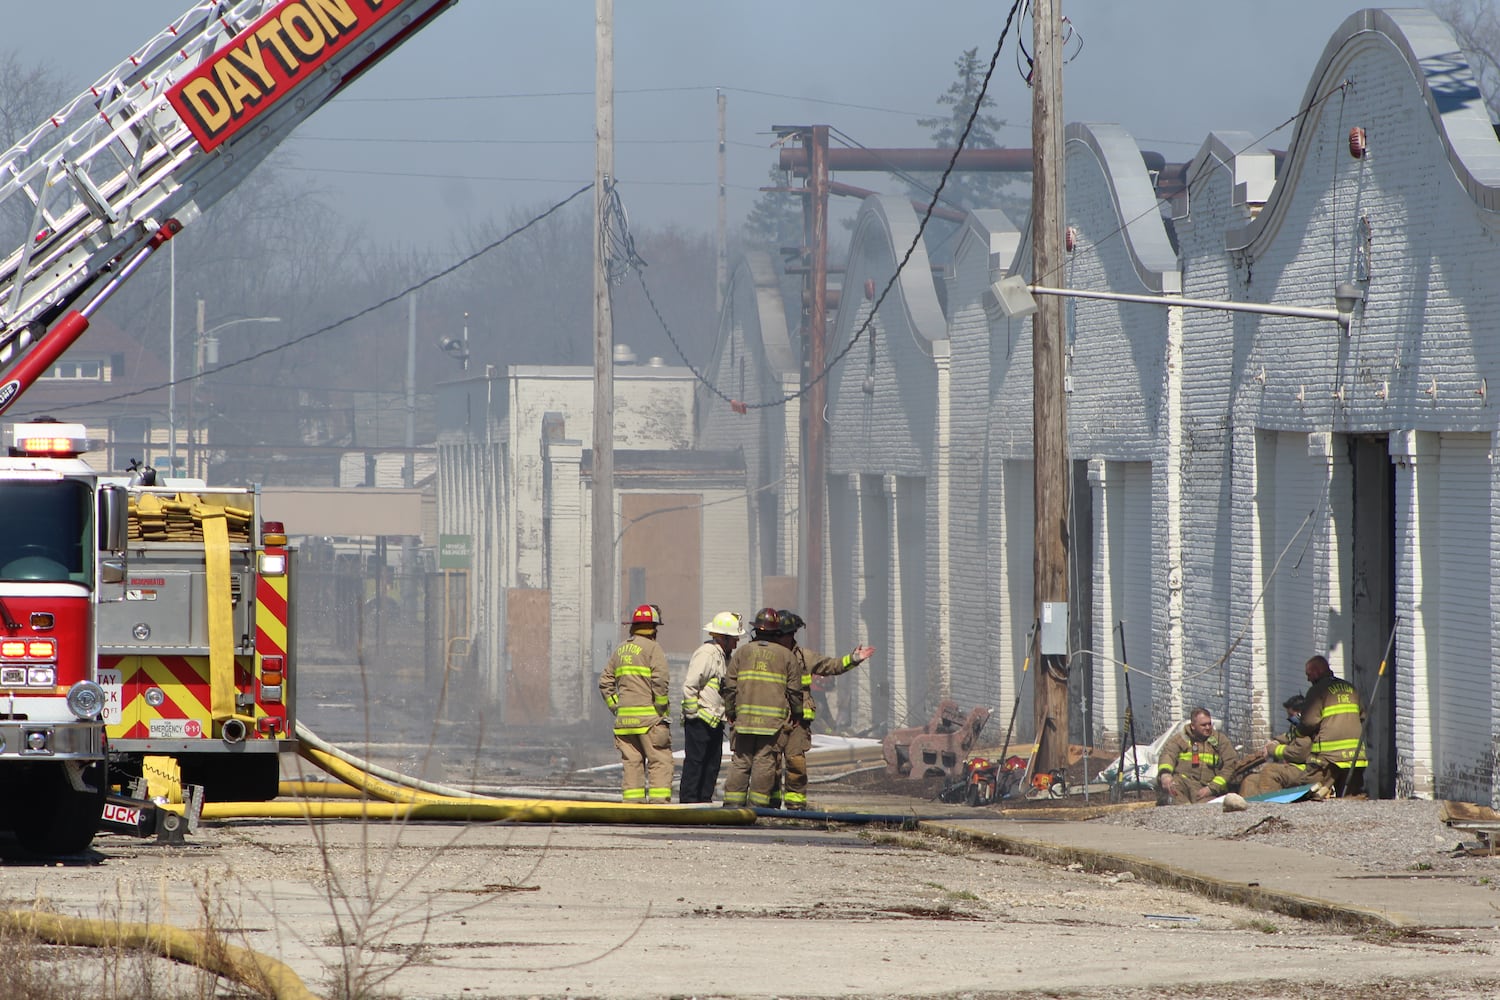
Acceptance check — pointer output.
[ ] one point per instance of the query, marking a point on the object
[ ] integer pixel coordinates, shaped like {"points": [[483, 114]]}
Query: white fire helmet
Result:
{"points": [[726, 623]]}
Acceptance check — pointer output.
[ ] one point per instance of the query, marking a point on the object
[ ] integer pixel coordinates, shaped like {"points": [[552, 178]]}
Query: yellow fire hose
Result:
{"points": [[241, 965], [403, 803], [396, 802]]}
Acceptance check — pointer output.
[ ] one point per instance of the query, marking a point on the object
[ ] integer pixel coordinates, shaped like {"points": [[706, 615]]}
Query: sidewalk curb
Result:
{"points": [[1250, 895]]}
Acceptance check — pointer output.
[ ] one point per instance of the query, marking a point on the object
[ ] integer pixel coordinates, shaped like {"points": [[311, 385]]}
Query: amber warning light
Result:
{"points": [[49, 440]]}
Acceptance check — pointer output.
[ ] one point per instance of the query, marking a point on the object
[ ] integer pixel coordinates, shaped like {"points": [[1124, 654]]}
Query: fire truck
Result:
{"points": [[196, 660], [178, 629], [62, 549]]}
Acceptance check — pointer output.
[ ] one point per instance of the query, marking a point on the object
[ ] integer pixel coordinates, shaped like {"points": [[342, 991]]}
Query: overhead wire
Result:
{"points": [[367, 310], [1156, 206], [742, 406]]}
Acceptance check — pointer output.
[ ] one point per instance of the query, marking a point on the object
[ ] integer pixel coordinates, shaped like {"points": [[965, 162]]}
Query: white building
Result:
{"points": [[1248, 490], [514, 459]]}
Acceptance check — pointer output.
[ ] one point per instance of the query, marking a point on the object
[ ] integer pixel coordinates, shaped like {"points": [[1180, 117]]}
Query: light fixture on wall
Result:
{"points": [[1357, 143], [1347, 297]]}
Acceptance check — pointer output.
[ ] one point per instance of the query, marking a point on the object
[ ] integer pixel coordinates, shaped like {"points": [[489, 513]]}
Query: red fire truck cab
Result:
{"points": [[62, 545]]}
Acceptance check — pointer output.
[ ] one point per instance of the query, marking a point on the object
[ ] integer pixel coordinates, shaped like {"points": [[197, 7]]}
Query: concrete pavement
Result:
{"points": [[1276, 879]]}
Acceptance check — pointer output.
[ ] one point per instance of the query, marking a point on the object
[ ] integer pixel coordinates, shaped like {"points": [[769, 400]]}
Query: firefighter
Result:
{"points": [[762, 694], [799, 739], [703, 707], [1195, 762], [1284, 759], [1333, 718], [635, 686]]}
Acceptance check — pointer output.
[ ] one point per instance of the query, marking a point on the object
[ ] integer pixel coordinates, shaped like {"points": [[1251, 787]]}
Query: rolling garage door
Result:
{"points": [[1459, 666]]}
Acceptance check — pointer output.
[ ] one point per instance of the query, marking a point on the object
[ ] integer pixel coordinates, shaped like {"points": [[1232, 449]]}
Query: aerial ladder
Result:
{"points": [[120, 169]]}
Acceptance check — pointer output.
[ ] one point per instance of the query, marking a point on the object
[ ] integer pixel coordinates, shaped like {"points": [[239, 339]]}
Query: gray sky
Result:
{"points": [[454, 125]]}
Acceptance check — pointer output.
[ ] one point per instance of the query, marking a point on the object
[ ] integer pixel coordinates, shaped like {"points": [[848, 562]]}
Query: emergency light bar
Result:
{"points": [[48, 439]]}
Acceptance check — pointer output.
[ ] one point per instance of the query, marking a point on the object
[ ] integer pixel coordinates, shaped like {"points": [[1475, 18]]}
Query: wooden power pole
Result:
{"points": [[1049, 408], [602, 578], [815, 359], [721, 234]]}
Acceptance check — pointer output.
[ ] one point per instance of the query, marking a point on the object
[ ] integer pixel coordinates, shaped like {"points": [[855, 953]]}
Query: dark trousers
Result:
{"points": [[703, 749]]}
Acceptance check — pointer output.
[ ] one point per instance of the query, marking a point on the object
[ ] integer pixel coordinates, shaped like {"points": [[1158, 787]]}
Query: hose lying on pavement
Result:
{"points": [[421, 800], [241, 965], [891, 819], [309, 738], [480, 810]]}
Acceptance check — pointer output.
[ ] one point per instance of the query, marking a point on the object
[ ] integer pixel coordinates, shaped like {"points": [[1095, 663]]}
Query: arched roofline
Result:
{"points": [[770, 309], [1449, 88], [1136, 207], [893, 222]]}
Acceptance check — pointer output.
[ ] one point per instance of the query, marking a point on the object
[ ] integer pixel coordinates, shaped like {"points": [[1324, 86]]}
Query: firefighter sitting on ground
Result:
{"points": [[635, 686], [1196, 762], [1284, 759], [762, 693], [799, 739]]}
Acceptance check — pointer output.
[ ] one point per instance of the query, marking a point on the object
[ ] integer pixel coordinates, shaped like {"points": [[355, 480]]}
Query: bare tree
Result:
{"points": [[31, 92], [1477, 25]]}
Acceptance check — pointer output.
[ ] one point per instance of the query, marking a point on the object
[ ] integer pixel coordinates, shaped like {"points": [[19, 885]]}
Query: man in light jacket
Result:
{"points": [[703, 708]]}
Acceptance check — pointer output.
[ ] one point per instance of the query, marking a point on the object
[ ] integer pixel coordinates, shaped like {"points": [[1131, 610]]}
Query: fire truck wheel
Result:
{"points": [[55, 819]]}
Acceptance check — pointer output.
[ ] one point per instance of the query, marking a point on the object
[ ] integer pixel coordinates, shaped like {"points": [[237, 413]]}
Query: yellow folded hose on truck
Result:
{"points": [[241, 965]]}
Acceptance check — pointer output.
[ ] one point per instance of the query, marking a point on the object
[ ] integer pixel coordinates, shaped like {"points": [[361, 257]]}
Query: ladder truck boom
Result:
{"points": [[121, 168]]}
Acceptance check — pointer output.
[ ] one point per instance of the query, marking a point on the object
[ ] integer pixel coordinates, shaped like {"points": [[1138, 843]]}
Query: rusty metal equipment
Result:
{"points": [[938, 748]]}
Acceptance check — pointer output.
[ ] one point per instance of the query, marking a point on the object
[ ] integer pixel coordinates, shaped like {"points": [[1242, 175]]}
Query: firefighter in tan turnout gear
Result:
{"points": [[1196, 761], [1284, 758], [635, 687], [1332, 717], [762, 695], [799, 740]]}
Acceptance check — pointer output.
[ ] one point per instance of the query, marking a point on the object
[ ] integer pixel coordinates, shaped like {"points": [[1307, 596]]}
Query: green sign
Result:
{"points": [[454, 551]]}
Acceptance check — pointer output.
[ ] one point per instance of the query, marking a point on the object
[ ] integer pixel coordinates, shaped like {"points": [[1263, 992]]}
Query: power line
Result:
{"points": [[705, 141], [742, 406], [336, 324], [425, 175]]}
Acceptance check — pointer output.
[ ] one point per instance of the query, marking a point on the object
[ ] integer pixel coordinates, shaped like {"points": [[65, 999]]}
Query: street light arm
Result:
{"points": [[1306, 312], [1016, 299], [247, 319]]}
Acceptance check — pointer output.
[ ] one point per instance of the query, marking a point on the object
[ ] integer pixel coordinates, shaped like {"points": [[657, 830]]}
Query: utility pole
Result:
{"points": [[1049, 409], [721, 247], [814, 359], [409, 470], [172, 361], [602, 578]]}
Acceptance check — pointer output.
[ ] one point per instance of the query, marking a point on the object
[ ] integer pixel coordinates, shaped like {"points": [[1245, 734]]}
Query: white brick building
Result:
{"points": [[1248, 489]]}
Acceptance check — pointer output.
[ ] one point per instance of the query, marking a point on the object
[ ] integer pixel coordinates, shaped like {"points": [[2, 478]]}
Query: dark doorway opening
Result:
{"points": [[1372, 604]]}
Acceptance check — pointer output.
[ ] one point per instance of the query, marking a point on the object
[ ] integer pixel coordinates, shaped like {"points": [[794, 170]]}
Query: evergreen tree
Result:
{"points": [[775, 220], [970, 190]]}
